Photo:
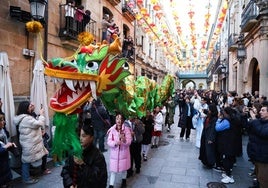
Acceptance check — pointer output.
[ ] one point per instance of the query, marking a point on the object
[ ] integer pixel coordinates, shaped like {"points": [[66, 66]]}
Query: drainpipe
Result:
{"points": [[135, 48], [227, 64], [46, 31]]}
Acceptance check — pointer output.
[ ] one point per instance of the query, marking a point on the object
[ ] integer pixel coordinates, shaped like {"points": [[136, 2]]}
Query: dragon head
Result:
{"points": [[93, 69]]}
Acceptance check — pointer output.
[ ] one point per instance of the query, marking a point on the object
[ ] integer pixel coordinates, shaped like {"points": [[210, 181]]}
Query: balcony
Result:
{"points": [[232, 42], [114, 2], [128, 11], [70, 28], [249, 16]]}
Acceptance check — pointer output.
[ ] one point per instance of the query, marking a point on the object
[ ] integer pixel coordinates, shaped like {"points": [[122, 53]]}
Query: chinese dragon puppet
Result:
{"points": [[98, 71]]}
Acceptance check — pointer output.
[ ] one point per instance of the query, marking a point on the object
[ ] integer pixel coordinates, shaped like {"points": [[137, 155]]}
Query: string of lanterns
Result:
{"points": [[158, 31], [159, 34]]}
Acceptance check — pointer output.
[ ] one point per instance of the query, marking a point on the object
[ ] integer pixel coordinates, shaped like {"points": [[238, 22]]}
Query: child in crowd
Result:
{"points": [[88, 171]]}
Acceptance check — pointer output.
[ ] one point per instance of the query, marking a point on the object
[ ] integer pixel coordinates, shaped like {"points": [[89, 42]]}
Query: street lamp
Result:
{"points": [[38, 9], [223, 69], [241, 50]]}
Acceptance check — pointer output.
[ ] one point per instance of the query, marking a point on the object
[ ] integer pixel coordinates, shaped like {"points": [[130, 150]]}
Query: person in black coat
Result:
{"points": [[5, 146], [90, 170], [226, 138], [148, 121], [87, 18], [100, 121], [185, 121], [257, 147], [207, 153]]}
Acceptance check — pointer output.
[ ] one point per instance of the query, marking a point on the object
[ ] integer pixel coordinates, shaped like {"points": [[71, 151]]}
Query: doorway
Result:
{"points": [[255, 76]]}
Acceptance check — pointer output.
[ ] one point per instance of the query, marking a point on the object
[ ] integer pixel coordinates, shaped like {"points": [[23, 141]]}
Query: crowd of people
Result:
{"points": [[76, 18], [30, 147], [219, 120]]}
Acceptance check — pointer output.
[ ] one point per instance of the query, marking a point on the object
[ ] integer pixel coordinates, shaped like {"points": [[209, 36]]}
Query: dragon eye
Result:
{"points": [[92, 65], [126, 66]]}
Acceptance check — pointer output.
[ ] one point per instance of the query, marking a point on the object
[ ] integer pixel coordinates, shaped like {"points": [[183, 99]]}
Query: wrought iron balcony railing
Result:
{"points": [[249, 16], [128, 12], [232, 42], [70, 27]]}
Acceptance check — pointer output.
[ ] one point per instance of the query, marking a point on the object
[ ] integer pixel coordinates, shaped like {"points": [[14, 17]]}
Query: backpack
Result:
{"points": [[17, 139]]}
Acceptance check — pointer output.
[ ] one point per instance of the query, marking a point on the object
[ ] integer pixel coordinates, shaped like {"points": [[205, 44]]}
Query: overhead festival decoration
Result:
{"points": [[195, 42]]}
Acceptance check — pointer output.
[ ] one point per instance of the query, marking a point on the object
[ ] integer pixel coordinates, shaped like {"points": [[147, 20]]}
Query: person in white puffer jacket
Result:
{"points": [[30, 138]]}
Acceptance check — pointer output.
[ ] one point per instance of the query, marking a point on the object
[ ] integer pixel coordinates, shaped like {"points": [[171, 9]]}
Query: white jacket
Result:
{"points": [[158, 122], [30, 138]]}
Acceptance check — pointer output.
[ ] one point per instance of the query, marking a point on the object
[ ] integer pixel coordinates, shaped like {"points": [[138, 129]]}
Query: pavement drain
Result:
{"points": [[152, 179], [215, 185]]}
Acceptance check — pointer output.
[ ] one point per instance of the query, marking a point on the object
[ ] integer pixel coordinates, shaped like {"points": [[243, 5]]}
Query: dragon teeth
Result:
{"points": [[93, 89], [86, 83], [81, 83], [75, 82], [70, 85]]}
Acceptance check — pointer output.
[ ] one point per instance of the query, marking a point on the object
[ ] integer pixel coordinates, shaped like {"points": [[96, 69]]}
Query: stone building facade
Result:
{"points": [[246, 24], [55, 43]]}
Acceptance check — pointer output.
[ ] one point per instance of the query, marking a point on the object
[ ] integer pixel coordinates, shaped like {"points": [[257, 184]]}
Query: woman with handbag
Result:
{"points": [[100, 122]]}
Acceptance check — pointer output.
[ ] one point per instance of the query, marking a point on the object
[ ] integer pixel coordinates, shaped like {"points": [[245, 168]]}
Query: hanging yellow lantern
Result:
{"points": [[143, 11], [207, 16], [138, 16], [154, 1]]}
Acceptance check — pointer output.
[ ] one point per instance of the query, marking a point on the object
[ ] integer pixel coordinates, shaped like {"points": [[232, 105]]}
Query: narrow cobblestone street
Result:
{"points": [[174, 164]]}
